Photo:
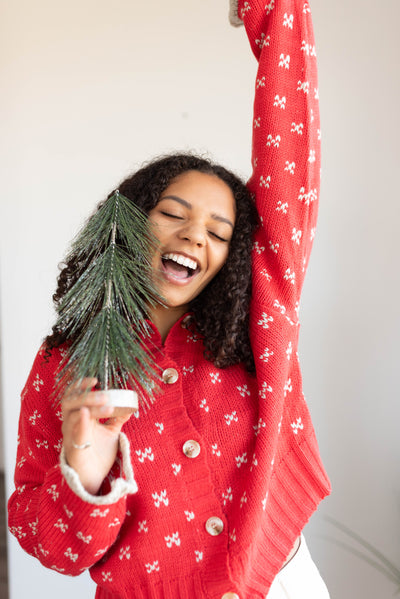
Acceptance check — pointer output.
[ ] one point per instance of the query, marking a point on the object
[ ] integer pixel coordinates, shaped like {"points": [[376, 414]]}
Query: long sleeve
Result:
{"points": [[286, 147], [285, 185], [53, 519]]}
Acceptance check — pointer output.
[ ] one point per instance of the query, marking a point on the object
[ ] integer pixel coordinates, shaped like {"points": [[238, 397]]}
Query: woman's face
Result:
{"points": [[193, 222]]}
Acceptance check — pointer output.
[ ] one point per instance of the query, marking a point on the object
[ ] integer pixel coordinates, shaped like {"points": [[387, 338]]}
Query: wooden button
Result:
{"points": [[214, 526], [170, 376], [191, 449]]}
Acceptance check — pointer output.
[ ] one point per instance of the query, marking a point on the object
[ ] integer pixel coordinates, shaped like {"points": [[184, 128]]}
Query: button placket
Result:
{"points": [[214, 526], [170, 376], [191, 448]]}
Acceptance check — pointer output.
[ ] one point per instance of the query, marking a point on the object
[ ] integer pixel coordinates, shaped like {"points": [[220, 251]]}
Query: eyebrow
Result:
{"points": [[186, 204]]}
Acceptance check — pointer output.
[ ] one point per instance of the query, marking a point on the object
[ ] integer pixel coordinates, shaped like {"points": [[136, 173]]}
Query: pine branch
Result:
{"points": [[104, 311]]}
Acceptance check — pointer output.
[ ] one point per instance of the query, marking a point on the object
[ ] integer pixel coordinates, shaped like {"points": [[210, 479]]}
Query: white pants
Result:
{"points": [[299, 579]]}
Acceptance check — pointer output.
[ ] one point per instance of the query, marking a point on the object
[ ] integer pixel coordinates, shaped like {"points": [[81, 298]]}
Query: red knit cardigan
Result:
{"points": [[215, 482]]}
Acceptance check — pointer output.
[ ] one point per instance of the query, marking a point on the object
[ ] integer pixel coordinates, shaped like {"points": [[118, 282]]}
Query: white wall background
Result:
{"points": [[90, 90]]}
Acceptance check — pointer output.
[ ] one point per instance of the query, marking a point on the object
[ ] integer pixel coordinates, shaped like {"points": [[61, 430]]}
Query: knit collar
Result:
{"points": [[176, 333]]}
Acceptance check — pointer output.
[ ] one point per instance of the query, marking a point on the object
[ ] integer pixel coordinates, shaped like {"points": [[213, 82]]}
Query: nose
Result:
{"points": [[193, 233]]}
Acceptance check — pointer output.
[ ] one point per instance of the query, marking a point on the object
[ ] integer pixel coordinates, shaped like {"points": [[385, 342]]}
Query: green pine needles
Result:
{"points": [[104, 311]]}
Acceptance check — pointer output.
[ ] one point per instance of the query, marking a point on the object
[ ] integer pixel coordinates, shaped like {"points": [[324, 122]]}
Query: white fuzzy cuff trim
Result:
{"points": [[119, 486], [234, 18]]}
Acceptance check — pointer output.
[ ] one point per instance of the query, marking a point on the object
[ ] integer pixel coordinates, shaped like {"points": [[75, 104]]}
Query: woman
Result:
{"points": [[206, 493]]}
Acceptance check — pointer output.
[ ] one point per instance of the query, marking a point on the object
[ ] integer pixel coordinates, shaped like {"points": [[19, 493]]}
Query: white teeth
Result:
{"points": [[181, 260]]}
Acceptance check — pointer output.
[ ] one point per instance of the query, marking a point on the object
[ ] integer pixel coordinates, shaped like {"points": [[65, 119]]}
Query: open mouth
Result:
{"points": [[179, 267]]}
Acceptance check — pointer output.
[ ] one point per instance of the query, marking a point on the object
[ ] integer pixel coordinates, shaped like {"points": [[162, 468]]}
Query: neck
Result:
{"points": [[165, 317]]}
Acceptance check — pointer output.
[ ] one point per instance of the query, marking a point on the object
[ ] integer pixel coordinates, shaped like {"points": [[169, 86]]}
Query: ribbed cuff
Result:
{"points": [[234, 18], [119, 486]]}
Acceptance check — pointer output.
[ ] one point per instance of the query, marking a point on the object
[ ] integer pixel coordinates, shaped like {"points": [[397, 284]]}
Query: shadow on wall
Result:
{"points": [[361, 548]]}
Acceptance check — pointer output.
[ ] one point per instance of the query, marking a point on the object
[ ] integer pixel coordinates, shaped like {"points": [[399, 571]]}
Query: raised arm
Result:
{"points": [[286, 146]]}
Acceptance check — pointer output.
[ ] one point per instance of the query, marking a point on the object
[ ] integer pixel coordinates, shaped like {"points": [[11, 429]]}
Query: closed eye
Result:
{"points": [[177, 217], [218, 237], [171, 215]]}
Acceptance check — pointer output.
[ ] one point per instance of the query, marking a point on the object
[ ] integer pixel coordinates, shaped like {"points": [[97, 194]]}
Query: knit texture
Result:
{"points": [[258, 469]]}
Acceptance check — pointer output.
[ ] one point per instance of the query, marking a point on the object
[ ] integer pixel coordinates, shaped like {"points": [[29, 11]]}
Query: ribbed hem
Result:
{"points": [[119, 487], [182, 588], [234, 18], [297, 487]]}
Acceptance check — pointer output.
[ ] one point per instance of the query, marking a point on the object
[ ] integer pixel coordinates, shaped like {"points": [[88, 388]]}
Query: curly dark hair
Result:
{"points": [[221, 309]]}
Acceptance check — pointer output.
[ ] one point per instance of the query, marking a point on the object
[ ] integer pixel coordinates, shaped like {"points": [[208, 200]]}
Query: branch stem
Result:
{"points": [[109, 293]]}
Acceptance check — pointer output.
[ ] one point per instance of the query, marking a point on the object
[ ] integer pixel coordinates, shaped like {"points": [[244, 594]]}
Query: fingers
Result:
{"points": [[80, 388], [80, 395], [91, 432], [77, 429], [123, 413], [94, 403], [118, 418], [82, 409]]}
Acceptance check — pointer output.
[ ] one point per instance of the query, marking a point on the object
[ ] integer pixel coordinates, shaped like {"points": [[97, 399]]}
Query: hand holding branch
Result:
{"points": [[90, 433]]}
